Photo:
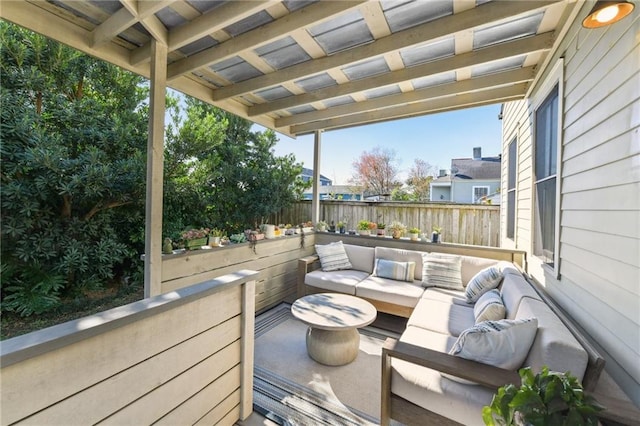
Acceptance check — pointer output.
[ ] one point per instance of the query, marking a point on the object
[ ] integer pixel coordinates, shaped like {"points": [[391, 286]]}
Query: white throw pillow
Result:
{"points": [[485, 280], [442, 270], [333, 256], [489, 307], [401, 271]]}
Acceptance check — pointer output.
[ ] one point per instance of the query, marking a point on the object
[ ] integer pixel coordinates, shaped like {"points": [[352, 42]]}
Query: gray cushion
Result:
{"points": [[402, 256], [442, 270], [361, 258], [333, 256], [489, 307], [554, 345], [442, 317], [391, 291], [512, 290], [485, 280], [401, 271], [446, 295]]}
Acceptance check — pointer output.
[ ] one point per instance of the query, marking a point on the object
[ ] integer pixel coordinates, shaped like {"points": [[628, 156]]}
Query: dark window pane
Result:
{"points": [[513, 162], [547, 136], [546, 200], [511, 214]]}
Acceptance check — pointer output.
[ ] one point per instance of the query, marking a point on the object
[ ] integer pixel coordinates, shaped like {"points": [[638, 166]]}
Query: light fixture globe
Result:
{"points": [[606, 13]]}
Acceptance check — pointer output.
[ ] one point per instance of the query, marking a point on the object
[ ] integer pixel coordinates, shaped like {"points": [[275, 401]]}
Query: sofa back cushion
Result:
{"points": [[471, 265], [512, 290], [361, 258], [400, 255], [554, 344]]}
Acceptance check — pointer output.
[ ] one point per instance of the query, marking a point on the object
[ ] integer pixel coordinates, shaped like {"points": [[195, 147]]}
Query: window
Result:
{"points": [[479, 192], [546, 159], [511, 189]]}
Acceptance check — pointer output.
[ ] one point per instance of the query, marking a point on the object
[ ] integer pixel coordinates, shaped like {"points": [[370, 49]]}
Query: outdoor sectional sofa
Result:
{"points": [[421, 380]]}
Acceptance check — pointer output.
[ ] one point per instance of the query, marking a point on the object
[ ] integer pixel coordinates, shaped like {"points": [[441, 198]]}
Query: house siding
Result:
{"points": [[599, 268], [463, 189]]}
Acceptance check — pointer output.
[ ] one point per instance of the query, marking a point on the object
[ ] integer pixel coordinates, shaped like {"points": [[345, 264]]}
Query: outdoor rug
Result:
{"points": [[292, 389]]}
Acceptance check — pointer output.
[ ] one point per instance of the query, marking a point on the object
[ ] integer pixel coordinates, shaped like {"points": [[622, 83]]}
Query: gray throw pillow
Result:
{"points": [[442, 270], [333, 256], [489, 307]]}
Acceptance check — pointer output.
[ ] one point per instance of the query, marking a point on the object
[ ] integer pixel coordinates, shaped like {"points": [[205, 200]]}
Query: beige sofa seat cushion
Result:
{"points": [[428, 389], [400, 293], [512, 290], [442, 317], [554, 344], [471, 265], [361, 258], [446, 295], [342, 281], [400, 255]]}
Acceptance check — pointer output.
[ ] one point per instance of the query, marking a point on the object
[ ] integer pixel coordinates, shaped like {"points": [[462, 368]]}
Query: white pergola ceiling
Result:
{"points": [[300, 66]]}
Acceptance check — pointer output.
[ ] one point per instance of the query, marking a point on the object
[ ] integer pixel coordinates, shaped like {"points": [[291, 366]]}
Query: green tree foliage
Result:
{"points": [[420, 177], [72, 170]]}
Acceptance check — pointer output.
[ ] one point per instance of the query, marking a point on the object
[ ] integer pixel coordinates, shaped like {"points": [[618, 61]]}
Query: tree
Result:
{"points": [[73, 139], [376, 171], [420, 177]]}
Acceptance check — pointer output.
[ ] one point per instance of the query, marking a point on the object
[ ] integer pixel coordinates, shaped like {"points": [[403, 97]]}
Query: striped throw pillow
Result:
{"points": [[485, 280], [400, 271], [442, 270], [489, 307], [333, 256]]}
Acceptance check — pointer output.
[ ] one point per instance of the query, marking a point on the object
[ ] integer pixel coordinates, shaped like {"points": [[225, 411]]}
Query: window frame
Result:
{"points": [[554, 79], [473, 193], [512, 170]]}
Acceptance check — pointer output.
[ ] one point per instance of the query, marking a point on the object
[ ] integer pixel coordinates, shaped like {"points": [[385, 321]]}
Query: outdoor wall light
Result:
{"points": [[606, 13]]}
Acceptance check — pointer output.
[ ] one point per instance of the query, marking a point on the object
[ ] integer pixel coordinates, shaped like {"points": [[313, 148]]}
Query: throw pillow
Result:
{"points": [[442, 270], [401, 271], [503, 343], [333, 256], [489, 307], [485, 280]]}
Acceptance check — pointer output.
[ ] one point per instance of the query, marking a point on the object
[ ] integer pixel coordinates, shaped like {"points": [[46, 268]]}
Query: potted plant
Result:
{"points": [[381, 229], [372, 228], [435, 235], [546, 398], [332, 227], [363, 227], [321, 226], [214, 237], [414, 234], [397, 229], [342, 226], [288, 229], [195, 238]]}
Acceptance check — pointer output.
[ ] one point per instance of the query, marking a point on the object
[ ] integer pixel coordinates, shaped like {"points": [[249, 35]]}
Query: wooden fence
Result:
{"points": [[461, 223]]}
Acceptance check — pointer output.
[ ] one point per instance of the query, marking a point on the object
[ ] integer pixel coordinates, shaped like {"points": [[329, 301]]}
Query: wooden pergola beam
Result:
{"points": [[443, 90], [450, 103], [452, 63], [430, 31]]}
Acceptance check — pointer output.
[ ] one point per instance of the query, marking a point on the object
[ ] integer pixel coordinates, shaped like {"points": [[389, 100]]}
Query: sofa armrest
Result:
{"points": [[304, 265]]}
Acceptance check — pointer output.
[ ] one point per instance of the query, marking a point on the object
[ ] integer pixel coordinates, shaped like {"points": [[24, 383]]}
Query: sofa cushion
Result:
{"points": [[401, 255], [485, 280], [390, 291], [360, 257], [343, 281], [512, 290], [471, 265], [401, 271], [503, 343], [428, 389], [446, 295], [554, 344], [442, 270], [442, 317], [333, 256], [489, 307]]}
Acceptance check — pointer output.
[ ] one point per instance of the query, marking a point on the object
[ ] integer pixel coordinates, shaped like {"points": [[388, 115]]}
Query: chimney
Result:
{"points": [[477, 153], [442, 173]]}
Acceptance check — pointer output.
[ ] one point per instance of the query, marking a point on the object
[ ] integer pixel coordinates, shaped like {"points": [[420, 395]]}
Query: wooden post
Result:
{"points": [[155, 158], [246, 362], [385, 388], [315, 201]]}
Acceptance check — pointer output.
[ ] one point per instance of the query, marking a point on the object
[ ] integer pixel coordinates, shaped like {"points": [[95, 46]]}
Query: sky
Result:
{"points": [[434, 138]]}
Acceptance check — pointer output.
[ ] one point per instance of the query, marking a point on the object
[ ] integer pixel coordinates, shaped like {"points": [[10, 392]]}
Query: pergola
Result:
{"points": [[301, 66]]}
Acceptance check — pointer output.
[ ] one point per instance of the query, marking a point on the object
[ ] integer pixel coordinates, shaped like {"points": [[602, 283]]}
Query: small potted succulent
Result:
{"points": [[546, 398], [397, 229], [435, 235], [321, 226], [332, 227], [288, 229], [363, 227], [414, 234], [381, 229], [342, 226], [195, 238], [214, 237]]}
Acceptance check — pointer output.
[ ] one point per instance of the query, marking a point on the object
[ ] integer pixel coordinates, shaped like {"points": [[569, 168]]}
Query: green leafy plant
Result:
{"points": [[414, 230], [546, 398], [437, 229], [321, 226], [363, 225], [381, 225]]}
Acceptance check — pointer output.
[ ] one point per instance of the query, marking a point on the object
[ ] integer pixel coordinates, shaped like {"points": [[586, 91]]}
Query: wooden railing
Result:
{"points": [[472, 224], [183, 357]]}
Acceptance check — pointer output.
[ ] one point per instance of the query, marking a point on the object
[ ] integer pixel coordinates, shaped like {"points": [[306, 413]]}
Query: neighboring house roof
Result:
{"points": [[485, 168], [309, 172]]}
